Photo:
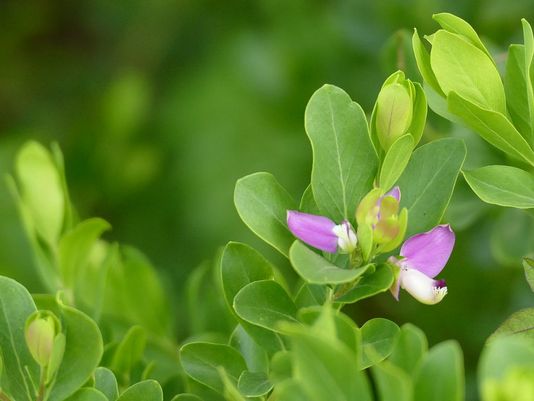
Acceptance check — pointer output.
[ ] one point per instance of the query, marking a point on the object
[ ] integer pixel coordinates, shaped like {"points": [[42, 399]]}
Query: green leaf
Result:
{"points": [[265, 303], [290, 390], [231, 392], [41, 190], [378, 339], [106, 383], [310, 295], [87, 394], [454, 24], [369, 285], [528, 265], [75, 247], [465, 69], [503, 186], [519, 324], [262, 203], [344, 160], [187, 397], [492, 126], [254, 384], [326, 369], [420, 109], [83, 350], [511, 236], [422, 57], [307, 202], [428, 182], [317, 270], [502, 355], [444, 361], [410, 348], [16, 305], [129, 352], [148, 390], [396, 160], [242, 265], [201, 362], [254, 355], [393, 384], [517, 85]]}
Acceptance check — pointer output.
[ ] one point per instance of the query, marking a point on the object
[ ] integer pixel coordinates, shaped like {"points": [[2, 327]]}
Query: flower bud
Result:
{"points": [[41, 331], [394, 111]]}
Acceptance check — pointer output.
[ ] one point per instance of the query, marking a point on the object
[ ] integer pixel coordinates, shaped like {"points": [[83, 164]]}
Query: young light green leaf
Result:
{"points": [[201, 362], [147, 390], [317, 270], [428, 182], [129, 352], [262, 203], [344, 160], [369, 285], [528, 265], [87, 394], [410, 348], [444, 361], [465, 69], [280, 367], [519, 324], [16, 305], [420, 109], [393, 384], [454, 24], [378, 339], [493, 126], [254, 384], [395, 161], [503, 186], [41, 190], [265, 303], [75, 246], [83, 351], [422, 57], [106, 383]]}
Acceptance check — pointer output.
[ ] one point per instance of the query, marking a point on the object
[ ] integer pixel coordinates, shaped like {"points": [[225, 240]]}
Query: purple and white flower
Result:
{"points": [[423, 257], [321, 232]]}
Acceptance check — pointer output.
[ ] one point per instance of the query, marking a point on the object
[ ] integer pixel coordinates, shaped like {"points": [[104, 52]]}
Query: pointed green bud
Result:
{"points": [[368, 209], [394, 111], [42, 329]]}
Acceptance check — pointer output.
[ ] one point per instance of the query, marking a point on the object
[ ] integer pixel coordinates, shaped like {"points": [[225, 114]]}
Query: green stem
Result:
{"points": [[42, 385]]}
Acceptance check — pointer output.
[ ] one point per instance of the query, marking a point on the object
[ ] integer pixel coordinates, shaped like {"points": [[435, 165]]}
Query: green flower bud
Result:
{"points": [[394, 111], [42, 329]]}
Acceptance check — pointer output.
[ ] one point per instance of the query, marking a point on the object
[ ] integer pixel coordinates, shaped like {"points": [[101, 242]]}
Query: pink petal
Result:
{"points": [[429, 252], [395, 192], [314, 230]]}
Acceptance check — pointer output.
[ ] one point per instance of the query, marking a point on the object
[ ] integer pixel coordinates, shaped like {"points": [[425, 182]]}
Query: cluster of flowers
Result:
{"points": [[422, 257]]}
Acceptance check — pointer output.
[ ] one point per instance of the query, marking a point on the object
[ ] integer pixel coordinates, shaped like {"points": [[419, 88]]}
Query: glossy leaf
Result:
{"points": [[129, 352], [148, 390], [262, 204], [255, 356], [265, 304], [186, 397], [83, 350], [87, 394], [344, 161], [444, 361], [106, 383], [317, 270], [428, 182], [254, 384], [310, 295], [378, 339], [503, 186], [202, 360], [410, 348], [519, 324], [422, 58], [395, 161], [369, 285], [16, 305], [463, 68], [493, 126]]}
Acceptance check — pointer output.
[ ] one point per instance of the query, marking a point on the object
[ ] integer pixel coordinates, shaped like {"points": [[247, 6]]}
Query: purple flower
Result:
{"points": [[423, 257], [321, 232]]}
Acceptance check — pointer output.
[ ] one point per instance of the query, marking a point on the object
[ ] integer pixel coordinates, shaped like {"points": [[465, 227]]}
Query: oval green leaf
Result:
{"points": [[378, 339], [395, 161], [369, 285], [148, 390]]}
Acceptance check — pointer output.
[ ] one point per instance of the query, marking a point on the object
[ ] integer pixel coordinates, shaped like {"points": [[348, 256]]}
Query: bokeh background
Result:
{"points": [[159, 106]]}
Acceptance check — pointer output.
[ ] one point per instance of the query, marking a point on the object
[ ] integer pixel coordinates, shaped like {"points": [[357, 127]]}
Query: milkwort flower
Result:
{"points": [[321, 232], [423, 257]]}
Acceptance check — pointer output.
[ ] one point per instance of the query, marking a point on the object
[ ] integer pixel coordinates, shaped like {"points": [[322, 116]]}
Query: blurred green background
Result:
{"points": [[159, 106]]}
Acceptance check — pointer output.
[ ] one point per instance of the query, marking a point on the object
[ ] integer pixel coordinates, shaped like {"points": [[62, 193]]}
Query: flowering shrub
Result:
{"points": [[370, 221]]}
